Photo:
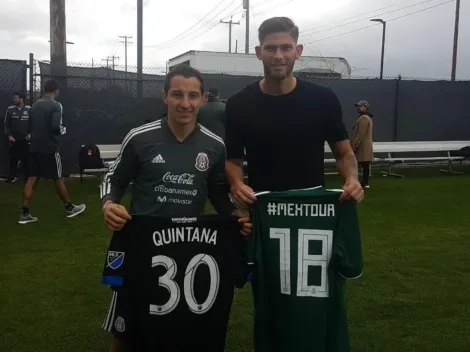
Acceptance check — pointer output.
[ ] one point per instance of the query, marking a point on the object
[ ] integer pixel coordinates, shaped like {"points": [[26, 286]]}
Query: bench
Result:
{"points": [[392, 150], [109, 153]]}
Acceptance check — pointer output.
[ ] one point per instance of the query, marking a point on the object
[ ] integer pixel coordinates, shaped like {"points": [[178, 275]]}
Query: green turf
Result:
{"points": [[413, 296]]}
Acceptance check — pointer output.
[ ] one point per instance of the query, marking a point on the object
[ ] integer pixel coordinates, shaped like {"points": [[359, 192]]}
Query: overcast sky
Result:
{"points": [[417, 45]]}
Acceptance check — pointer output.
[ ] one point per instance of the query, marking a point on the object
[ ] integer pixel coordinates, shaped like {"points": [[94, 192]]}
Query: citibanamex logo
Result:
{"points": [[183, 179]]}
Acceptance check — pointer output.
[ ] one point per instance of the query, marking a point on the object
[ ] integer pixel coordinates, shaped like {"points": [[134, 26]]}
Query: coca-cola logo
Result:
{"points": [[180, 179]]}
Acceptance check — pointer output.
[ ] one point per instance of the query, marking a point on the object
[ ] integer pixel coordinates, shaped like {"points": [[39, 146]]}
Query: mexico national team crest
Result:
{"points": [[202, 162], [115, 259]]}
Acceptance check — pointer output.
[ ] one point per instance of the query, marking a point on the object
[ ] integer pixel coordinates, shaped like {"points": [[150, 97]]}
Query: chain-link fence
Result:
{"points": [[102, 103]]}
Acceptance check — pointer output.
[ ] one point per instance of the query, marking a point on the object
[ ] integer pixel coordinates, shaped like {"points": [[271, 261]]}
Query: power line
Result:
{"points": [[163, 44], [194, 25], [189, 38], [358, 15], [422, 10], [355, 16], [393, 19], [364, 19]]}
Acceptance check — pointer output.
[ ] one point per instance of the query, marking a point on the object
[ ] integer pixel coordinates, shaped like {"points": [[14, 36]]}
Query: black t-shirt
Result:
{"points": [[180, 274], [284, 135]]}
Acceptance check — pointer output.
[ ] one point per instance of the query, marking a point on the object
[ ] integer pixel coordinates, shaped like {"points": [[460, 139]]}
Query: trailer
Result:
{"points": [[214, 62]]}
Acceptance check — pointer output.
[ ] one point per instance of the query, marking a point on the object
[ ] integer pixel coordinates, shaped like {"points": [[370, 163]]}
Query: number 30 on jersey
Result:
{"points": [[304, 260], [167, 281]]}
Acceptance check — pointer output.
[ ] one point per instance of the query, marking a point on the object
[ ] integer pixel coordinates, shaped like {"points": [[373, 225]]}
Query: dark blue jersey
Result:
{"points": [[180, 275]]}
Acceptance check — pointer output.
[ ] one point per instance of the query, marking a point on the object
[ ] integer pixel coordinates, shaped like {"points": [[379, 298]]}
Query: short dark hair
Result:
{"points": [[185, 71], [20, 95], [277, 25], [51, 86]]}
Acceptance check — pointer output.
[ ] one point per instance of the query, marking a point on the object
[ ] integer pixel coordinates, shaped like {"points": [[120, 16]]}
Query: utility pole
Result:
{"points": [[384, 28], [112, 59], [456, 40], [58, 41], [125, 42], [230, 23], [246, 7], [107, 62]]}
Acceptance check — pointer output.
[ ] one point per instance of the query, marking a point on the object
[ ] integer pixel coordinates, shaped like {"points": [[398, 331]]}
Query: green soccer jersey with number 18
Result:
{"points": [[306, 243]]}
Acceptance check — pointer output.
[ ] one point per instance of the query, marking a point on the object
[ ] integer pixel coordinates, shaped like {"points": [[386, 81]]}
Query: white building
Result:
{"points": [[250, 65]]}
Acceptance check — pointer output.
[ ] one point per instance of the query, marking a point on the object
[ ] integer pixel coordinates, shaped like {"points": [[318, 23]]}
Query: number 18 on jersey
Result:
{"points": [[306, 243]]}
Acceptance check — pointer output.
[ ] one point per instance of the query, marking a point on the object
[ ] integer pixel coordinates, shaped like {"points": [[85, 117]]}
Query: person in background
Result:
{"points": [[212, 114], [45, 126], [16, 129], [361, 140]]}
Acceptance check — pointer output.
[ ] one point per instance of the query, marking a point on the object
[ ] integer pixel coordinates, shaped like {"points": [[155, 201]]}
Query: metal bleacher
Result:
{"points": [[389, 152]]}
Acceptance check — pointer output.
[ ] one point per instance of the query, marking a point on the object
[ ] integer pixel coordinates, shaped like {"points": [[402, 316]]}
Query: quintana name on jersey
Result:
{"points": [[184, 234], [301, 209]]}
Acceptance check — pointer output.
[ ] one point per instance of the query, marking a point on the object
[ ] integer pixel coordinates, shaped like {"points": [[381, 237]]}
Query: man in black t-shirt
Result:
{"points": [[280, 125], [283, 123]]}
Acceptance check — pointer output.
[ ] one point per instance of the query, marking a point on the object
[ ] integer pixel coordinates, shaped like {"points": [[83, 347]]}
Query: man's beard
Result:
{"points": [[269, 72]]}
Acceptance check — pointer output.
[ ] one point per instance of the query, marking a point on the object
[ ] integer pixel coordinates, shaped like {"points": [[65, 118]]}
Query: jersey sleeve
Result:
{"points": [[349, 242], [233, 132], [56, 118], [120, 173], [6, 123], [335, 129]]}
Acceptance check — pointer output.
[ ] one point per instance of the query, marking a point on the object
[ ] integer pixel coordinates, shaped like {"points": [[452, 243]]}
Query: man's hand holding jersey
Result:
{"points": [[115, 216], [242, 195], [244, 220]]}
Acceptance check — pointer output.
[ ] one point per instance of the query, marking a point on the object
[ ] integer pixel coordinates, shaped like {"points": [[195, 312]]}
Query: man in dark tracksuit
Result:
{"points": [[175, 164], [16, 129], [212, 114], [45, 126]]}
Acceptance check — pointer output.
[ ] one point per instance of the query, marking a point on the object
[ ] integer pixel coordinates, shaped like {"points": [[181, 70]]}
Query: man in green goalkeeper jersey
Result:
{"points": [[306, 244]]}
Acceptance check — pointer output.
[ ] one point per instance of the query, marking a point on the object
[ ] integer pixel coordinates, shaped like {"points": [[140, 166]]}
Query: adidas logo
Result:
{"points": [[158, 159]]}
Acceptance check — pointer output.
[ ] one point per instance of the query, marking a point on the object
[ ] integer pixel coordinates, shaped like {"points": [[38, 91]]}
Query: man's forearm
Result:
{"points": [[234, 171], [347, 166]]}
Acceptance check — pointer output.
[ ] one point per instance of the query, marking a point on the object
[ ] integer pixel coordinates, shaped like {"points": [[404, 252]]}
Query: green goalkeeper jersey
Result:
{"points": [[306, 243]]}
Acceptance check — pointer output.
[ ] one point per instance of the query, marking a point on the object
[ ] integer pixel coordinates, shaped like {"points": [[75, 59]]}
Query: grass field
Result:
{"points": [[414, 294]]}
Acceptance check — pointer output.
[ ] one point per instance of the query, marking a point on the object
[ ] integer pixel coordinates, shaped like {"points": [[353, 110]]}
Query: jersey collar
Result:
{"points": [[188, 139]]}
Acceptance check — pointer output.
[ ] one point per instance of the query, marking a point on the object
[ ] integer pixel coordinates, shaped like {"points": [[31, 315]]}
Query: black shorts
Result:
{"points": [[118, 319], [45, 165]]}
